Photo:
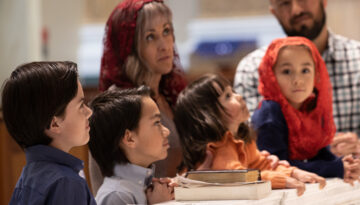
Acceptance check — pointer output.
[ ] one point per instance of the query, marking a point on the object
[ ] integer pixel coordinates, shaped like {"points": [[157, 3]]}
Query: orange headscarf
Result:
{"points": [[309, 130]]}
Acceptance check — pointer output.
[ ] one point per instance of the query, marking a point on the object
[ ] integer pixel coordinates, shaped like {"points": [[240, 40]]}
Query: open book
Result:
{"points": [[193, 190], [225, 176]]}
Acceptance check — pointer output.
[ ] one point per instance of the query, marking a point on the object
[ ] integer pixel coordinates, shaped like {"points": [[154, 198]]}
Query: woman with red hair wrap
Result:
{"points": [[294, 121], [139, 50]]}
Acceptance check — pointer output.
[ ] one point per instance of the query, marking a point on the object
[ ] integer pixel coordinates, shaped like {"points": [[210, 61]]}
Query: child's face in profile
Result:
{"points": [[295, 72], [151, 136], [235, 108], [74, 125], [157, 45]]}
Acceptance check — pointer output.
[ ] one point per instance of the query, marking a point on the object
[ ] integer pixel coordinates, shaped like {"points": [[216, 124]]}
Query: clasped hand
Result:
{"points": [[162, 190]]}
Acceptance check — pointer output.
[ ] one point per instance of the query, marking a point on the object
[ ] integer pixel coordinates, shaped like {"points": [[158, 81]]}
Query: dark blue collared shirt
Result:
{"points": [[51, 176], [273, 133]]}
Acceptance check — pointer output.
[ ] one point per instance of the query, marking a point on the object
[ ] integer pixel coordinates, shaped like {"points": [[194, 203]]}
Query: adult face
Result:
{"points": [[157, 45], [300, 17]]}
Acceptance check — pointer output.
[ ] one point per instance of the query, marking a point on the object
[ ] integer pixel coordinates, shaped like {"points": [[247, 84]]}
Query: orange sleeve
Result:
{"points": [[235, 154], [255, 159], [228, 154], [278, 179], [226, 157], [286, 170], [258, 161]]}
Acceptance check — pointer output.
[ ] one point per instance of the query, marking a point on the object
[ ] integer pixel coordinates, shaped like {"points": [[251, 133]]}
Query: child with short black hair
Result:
{"points": [[210, 117], [126, 138], [44, 111], [295, 119]]}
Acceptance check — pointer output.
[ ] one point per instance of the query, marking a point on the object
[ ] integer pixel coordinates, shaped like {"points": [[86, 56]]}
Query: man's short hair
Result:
{"points": [[33, 95], [114, 112]]}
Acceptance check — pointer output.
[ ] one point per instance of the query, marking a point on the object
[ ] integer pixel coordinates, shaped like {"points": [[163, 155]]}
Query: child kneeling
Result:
{"points": [[126, 138]]}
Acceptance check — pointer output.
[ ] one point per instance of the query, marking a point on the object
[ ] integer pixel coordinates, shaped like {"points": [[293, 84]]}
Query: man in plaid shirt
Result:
{"points": [[342, 57]]}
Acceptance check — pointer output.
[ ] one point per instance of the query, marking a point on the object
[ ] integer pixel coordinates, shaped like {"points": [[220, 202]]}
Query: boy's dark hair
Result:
{"points": [[114, 112], [33, 95], [198, 119]]}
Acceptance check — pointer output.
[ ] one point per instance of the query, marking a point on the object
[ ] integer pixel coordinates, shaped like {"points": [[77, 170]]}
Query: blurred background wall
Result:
{"points": [[211, 36]]}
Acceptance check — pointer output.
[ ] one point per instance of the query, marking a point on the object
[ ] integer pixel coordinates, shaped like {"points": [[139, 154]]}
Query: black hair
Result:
{"points": [[199, 119], [114, 112], [33, 95]]}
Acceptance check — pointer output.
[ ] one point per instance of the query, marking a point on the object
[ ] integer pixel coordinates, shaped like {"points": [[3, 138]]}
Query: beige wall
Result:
{"points": [[20, 34], [21, 22], [231, 8], [183, 12], [342, 15], [63, 20], [97, 11]]}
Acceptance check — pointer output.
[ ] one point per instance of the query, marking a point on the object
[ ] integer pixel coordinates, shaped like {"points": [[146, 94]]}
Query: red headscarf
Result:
{"points": [[309, 131], [118, 48]]}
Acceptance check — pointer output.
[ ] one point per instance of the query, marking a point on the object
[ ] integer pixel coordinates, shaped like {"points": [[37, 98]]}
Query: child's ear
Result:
{"points": [[129, 139], [54, 127]]}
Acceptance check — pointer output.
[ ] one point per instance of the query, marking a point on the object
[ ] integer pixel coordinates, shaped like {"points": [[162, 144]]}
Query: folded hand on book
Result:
{"points": [[308, 177], [296, 184], [299, 177], [160, 191]]}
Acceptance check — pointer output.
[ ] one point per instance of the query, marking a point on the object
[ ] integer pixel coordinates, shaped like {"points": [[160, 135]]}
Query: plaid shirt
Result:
{"points": [[342, 59]]}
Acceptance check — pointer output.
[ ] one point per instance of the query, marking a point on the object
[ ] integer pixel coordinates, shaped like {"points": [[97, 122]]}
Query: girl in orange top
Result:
{"points": [[212, 123]]}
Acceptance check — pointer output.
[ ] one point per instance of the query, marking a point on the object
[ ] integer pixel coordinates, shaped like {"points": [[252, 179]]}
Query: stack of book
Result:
{"points": [[221, 185]]}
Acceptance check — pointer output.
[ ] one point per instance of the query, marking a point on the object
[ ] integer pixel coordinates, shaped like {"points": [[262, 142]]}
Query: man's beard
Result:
{"points": [[305, 31]]}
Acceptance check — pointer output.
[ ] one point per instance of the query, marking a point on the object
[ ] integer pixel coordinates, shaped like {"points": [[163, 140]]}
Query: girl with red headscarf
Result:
{"points": [[295, 121], [139, 50]]}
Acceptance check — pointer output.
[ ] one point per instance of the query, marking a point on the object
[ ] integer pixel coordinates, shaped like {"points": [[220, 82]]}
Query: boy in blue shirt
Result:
{"points": [[44, 111]]}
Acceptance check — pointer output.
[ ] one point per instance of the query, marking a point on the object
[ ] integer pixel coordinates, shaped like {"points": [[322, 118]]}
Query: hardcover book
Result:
{"points": [[193, 190], [225, 176]]}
